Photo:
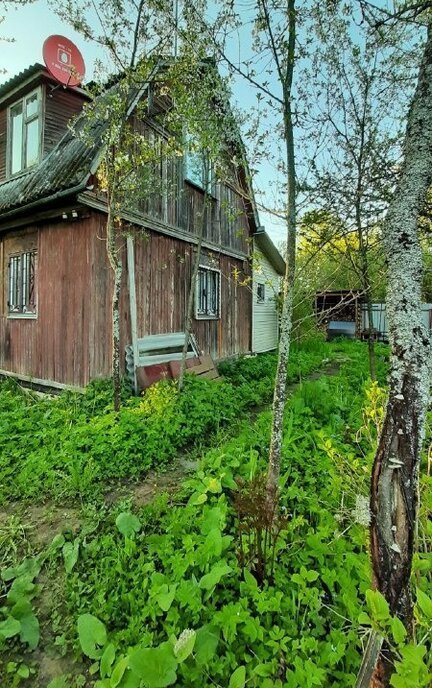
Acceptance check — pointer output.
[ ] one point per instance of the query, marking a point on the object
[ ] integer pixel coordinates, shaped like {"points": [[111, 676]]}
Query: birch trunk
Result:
{"points": [[279, 397], [117, 267], [396, 466]]}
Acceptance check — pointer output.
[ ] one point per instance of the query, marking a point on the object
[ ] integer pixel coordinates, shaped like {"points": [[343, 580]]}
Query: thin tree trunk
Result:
{"points": [[364, 263], [192, 286], [117, 267], [366, 287], [396, 466], [279, 396]]}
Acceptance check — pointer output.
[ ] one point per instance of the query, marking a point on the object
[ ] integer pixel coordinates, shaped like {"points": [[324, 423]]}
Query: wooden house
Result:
{"points": [[56, 282]]}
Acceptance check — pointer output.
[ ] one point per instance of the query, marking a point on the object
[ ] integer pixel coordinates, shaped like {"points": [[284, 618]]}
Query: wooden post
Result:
{"points": [[132, 306]]}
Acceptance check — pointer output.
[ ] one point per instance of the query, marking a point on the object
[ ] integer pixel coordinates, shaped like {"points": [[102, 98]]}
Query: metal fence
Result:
{"points": [[379, 319]]}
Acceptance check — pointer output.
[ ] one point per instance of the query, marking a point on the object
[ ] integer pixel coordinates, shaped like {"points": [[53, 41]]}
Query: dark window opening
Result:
{"points": [[260, 293], [22, 283], [208, 293]]}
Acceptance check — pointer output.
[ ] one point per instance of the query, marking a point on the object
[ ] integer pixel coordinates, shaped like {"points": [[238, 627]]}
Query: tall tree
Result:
{"points": [[359, 83], [394, 487]]}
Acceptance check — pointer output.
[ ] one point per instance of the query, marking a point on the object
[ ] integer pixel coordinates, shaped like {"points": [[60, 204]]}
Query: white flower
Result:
{"points": [[182, 640], [362, 512]]}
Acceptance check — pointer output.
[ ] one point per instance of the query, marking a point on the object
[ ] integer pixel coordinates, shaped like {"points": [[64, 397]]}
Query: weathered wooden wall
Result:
{"points": [[168, 197], [163, 269], [60, 106], [70, 339], [3, 143]]}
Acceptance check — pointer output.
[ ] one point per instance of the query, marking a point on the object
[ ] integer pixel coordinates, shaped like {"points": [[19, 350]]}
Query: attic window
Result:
{"points": [[198, 169], [24, 132]]}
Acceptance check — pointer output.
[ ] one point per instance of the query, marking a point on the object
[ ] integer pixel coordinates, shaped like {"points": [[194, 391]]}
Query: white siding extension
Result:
{"points": [[266, 285]]}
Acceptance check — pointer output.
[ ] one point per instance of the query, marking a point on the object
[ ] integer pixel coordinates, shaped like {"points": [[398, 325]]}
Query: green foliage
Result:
{"points": [[183, 568], [74, 444], [164, 595], [19, 618]]}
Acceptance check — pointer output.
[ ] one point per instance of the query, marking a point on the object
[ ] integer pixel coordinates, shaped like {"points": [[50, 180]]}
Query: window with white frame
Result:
{"points": [[24, 132], [207, 293], [22, 284]]}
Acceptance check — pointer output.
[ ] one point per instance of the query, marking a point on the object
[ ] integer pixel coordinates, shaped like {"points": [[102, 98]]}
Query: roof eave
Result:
{"points": [[44, 200], [266, 245]]}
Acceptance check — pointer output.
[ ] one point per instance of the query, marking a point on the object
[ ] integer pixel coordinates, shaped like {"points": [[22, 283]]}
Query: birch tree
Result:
{"points": [[394, 486]]}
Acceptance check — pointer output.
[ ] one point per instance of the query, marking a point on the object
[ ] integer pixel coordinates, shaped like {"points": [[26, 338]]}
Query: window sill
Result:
{"points": [[22, 316], [207, 317]]}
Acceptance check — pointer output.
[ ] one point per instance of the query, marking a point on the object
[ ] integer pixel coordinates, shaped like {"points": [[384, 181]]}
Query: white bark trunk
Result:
{"points": [[395, 471]]}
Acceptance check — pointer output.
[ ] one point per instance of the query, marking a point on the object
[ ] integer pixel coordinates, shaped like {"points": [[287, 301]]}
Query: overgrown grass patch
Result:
{"points": [[161, 596], [75, 445]]}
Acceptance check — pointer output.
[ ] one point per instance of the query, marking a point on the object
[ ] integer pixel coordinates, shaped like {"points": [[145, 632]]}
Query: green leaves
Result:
{"points": [[20, 617], [378, 605], [29, 631], [128, 524], [70, 554], [9, 628], [92, 635], [165, 596], [424, 603], [238, 678], [207, 640], [156, 666], [184, 645], [211, 579]]}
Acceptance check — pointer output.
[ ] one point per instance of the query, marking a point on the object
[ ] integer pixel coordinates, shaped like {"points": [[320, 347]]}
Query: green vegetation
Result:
{"points": [[73, 445], [169, 593]]}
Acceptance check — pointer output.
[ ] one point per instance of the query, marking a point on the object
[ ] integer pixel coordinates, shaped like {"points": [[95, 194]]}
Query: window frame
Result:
{"points": [[195, 157], [18, 285], [260, 298], [38, 116], [206, 315]]}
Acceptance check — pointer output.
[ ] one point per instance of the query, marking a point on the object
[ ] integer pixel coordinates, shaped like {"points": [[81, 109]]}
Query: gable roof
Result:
{"points": [[67, 168]]}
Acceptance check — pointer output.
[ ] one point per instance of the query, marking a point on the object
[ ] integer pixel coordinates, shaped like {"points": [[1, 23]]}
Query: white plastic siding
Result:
{"points": [[264, 313]]}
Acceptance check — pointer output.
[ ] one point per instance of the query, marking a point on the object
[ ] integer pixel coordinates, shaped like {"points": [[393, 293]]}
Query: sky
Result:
{"points": [[28, 26]]}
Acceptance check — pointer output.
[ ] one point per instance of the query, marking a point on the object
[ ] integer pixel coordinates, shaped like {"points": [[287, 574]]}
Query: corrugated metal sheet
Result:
{"points": [[19, 78]]}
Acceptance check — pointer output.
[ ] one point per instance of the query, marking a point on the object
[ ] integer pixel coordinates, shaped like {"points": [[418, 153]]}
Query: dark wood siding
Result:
{"points": [[167, 197], [60, 106], [70, 340], [3, 141], [163, 269]]}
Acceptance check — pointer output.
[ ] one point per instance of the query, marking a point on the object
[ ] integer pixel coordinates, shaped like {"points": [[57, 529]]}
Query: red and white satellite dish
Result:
{"points": [[63, 60]]}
